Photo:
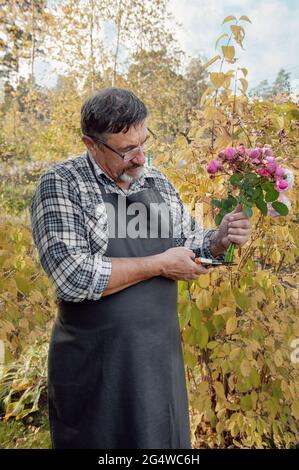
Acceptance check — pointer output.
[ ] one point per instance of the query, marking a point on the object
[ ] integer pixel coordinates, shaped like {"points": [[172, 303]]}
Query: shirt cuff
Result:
{"points": [[101, 277], [206, 246]]}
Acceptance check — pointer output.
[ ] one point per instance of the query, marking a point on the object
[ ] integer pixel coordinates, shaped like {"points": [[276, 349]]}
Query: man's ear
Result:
{"points": [[89, 143]]}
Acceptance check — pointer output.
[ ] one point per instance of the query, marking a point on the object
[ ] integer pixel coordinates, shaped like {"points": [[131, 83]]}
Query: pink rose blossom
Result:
{"points": [[279, 171], [280, 184], [214, 166], [254, 153], [263, 172], [267, 152], [229, 153], [271, 164], [241, 150], [289, 178]]}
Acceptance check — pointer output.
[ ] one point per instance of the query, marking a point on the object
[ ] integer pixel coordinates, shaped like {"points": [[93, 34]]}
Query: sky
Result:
{"points": [[271, 41]]}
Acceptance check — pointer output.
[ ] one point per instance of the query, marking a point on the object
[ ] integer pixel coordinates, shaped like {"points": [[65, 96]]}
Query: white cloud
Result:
{"points": [[271, 41]]}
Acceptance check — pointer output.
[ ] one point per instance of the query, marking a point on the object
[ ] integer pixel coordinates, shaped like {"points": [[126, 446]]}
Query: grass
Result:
{"points": [[30, 434]]}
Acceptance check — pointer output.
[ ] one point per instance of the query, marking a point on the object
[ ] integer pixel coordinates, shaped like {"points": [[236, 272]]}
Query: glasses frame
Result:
{"points": [[123, 155]]}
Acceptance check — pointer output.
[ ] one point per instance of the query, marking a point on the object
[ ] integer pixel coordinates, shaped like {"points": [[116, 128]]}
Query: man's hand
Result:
{"points": [[178, 264], [235, 227]]}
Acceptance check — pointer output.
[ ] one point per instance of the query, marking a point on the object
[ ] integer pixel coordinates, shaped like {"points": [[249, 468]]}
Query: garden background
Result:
{"points": [[240, 325]]}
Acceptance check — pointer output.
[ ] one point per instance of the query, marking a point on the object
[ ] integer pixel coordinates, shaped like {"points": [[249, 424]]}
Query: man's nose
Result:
{"points": [[139, 159]]}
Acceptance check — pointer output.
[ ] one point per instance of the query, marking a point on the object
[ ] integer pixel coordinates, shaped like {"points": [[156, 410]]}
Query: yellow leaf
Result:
{"points": [[295, 409], [223, 311], [217, 57], [219, 389], [244, 84], [234, 354], [241, 299], [231, 325], [212, 113], [245, 368], [207, 92], [217, 78], [202, 336], [244, 18], [229, 53], [204, 300], [229, 18], [278, 359], [203, 280], [223, 140], [245, 71]]}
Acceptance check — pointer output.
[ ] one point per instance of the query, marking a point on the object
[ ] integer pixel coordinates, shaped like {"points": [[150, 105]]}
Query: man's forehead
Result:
{"points": [[132, 137]]}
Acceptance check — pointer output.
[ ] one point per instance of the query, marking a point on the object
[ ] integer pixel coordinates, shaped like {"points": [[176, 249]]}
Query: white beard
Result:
{"points": [[130, 179]]}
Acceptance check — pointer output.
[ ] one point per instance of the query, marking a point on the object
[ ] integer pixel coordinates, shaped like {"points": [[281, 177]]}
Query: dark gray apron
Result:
{"points": [[116, 377]]}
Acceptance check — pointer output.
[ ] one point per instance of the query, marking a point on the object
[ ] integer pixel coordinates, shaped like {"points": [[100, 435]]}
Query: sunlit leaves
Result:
{"points": [[217, 57], [229, 53], [229, 18], [217, 79]]}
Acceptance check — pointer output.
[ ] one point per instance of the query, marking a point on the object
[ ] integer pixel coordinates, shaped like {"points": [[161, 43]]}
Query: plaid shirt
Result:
{"points": [[70, 227]]}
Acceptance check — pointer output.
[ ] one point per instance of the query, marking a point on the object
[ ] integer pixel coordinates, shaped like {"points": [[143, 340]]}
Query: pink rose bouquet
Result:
{"points": [[255, 179]]}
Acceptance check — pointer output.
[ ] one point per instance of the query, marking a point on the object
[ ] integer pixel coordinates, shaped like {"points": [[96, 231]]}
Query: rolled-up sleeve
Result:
{"points": [[61, 239]]}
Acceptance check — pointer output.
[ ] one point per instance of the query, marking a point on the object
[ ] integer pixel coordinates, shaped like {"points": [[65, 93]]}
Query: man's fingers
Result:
{"points": [[237, 216], [201, 268], [238, 231], [238, 239], [237, 209], [241, 223], [190, 252]]}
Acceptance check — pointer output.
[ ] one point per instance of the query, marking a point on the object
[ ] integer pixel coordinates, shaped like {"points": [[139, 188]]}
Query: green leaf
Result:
{"points": [[219, 218], [261, 205], [257, 193], [236, 179], [266, 185], [230, 202], [255, 378], [233, 200], [248, 211], [271, 194], [246, 403], [217, 203], [281, 208]]}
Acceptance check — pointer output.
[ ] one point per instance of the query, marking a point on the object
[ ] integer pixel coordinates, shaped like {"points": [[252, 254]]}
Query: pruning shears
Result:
{"points": [[208, 262]]}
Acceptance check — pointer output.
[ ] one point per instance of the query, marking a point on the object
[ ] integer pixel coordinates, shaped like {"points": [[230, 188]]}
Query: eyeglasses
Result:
{"points": [[133, 152]]}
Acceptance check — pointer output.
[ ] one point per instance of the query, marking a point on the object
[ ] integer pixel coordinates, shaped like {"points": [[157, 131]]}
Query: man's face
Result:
{"points": [[114, 165]]}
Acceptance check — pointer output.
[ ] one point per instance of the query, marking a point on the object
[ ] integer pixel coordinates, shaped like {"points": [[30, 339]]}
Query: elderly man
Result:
{"points": [[116, 377]]}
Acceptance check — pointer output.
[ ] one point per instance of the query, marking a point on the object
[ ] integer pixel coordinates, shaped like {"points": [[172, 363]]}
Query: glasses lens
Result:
{"points": [[144, 148], [131, 154]]}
